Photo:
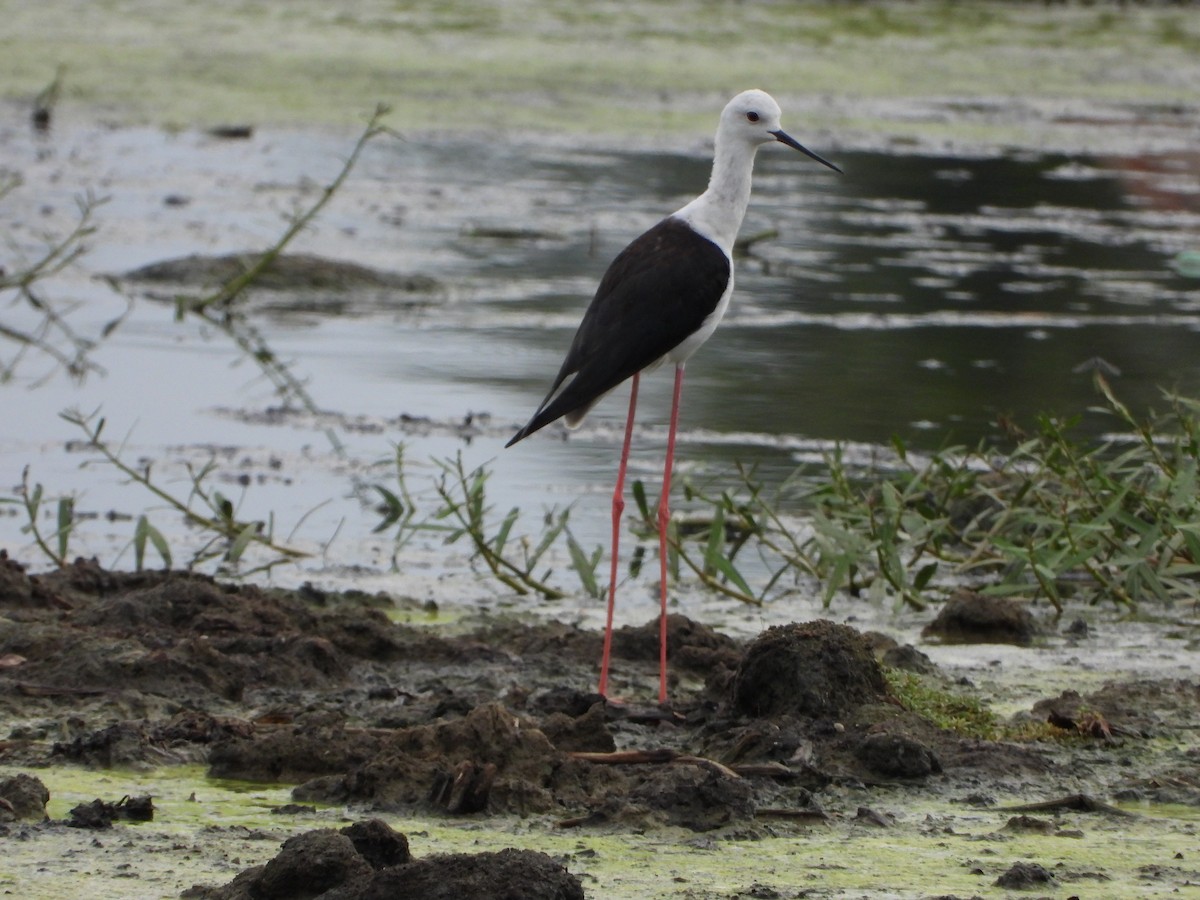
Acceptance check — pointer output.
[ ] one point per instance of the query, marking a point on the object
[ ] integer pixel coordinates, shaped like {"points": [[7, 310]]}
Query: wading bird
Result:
{"points": [[660, 299]]}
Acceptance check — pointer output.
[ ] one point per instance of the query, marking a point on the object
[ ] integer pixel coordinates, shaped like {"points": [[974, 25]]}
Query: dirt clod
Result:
{"points": [[370, 861], [23, 798], [310, 864], [1024, 876], [16, 590], [816, 670], [897, 756], [102, 814], [503, 875], [971, 618], [378, 843]]}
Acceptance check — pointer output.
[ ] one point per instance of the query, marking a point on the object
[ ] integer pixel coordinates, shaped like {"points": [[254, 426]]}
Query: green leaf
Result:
{"points": [[722, 564], [837, 577], [549, 536], [505, 527], [639, 498], [160, 544], [392, 510], [139, 542], [924, 576], [66, 520], [584, 567], [716, 540], [144, 531], [241, 542], [637, 561]]}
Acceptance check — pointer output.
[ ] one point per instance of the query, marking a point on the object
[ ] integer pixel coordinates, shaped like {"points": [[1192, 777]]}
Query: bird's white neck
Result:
{"points": [[718, 212]]}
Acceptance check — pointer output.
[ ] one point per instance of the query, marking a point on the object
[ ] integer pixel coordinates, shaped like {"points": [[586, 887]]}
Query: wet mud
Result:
{"points": [[295, 272], [499, 719]]}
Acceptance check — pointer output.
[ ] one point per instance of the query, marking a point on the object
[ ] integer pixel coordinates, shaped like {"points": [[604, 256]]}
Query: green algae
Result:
{"points": [[945, 708], [621, 68], [205, 831]]}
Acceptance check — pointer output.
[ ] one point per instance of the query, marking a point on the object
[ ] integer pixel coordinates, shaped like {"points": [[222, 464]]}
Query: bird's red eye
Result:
{"points": [[751, 117]]}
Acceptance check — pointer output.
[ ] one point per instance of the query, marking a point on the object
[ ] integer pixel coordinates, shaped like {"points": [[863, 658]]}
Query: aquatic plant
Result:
{"points": [[204, 507], [221, 307], [1039, 515], [465, 513], [50, 334], [1043, 517], [1047, 517]]}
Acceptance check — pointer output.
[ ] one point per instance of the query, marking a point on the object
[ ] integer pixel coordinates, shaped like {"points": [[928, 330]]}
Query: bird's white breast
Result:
{"points": [[692, 342]]}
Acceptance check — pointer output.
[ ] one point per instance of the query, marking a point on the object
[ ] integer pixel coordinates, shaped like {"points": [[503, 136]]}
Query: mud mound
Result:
{"points": [[690, 645], [185, 636], [1138, 708], [286, 272], [897, 756], [140, 744], [315, 744], [23, 798], [971, 618], [16, 589], [699, 797], [504, 875], [371, 861], [818, 670], [490, 759]]}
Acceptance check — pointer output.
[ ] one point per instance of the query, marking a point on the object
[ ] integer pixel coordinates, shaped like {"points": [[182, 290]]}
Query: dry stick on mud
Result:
{"points": [[661, 756], [1076, 802]]}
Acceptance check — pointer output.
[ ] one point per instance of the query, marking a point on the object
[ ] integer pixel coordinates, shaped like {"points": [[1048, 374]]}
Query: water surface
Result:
{"points": [[916, 296]]}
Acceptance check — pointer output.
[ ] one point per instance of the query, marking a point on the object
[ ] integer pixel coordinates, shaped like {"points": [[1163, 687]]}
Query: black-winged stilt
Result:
{"points": [[660, 299]]}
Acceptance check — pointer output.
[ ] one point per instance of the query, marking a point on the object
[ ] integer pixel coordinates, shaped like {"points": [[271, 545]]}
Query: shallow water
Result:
{"points": [[916, 296]]}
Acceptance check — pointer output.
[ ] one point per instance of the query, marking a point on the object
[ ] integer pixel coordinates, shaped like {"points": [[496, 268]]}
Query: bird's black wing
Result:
{"points": [[655, 294]]}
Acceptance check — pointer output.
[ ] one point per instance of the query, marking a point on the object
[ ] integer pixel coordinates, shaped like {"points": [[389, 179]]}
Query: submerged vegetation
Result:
{"points": [[1042, 516]]}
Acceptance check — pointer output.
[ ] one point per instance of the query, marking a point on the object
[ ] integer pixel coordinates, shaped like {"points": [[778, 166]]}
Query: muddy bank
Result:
{"points": [[496, 720]]}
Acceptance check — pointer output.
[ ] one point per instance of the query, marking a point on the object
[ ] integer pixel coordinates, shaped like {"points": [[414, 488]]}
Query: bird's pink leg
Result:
{"points": [[618, 507], [664, 519]]}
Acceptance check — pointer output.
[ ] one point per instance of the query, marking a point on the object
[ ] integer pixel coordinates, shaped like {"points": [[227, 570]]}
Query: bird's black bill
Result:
{"points": [[784, 138]]}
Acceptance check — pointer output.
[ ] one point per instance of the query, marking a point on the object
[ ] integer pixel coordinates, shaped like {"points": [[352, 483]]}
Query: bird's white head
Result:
{"points": [[753, 117]]}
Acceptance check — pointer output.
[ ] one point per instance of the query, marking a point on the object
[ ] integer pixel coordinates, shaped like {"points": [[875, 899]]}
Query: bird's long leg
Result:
{"points": [[618, 507], [664, 519]]}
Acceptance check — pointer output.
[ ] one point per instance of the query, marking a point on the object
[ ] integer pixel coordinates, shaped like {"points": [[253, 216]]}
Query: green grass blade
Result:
{"points": [[66, 521], [584, 567], [241, 542]]}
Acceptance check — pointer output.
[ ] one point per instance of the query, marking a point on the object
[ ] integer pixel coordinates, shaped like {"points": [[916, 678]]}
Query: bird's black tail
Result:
{"points": [[547, 413], [573, 401]]}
